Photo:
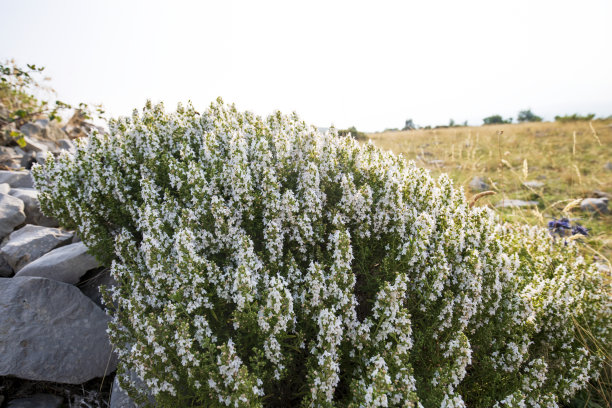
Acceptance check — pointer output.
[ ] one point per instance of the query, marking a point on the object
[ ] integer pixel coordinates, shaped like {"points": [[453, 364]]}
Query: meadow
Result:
{"points": [[568, 159]]}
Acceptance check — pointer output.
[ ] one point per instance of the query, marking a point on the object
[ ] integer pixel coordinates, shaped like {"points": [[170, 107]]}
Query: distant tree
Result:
{"points": [[353, 132], [465, 123], [409, 125], [496, 119], [574, 118], [451, 123], [528, 116]]}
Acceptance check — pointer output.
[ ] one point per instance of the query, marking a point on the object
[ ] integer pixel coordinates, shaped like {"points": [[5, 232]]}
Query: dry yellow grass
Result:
{"points": [[569, 158]]}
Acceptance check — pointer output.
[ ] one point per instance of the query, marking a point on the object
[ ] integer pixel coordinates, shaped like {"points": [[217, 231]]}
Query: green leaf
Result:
{"points": [[20, 113], [18, 136]]}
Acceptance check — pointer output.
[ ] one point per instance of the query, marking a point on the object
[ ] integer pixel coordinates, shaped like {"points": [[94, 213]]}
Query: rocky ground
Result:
{"points": [[54, 349]]}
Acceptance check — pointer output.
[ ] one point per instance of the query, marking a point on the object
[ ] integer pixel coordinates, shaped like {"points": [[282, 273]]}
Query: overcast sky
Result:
{"points": [[370, 64]]}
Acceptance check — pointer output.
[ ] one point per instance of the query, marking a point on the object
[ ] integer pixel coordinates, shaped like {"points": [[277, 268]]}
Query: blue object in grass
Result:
{"points": [[563, 228]]}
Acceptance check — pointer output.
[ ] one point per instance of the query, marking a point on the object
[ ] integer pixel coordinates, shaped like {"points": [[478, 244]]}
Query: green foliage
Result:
{"points": [[528, 116], [261, 263], [574, 118], [495, 119]]}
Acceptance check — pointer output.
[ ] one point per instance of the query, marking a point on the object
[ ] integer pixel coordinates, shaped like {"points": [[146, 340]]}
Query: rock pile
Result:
{"points": [[52, 322]]}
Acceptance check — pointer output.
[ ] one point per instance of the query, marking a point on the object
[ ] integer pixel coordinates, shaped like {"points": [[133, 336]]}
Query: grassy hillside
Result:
{"points": [[568, 158]]}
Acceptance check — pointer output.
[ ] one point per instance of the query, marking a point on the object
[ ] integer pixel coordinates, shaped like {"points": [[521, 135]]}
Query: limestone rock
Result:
{"points": [[35, 145], [17, 179], [30, 243], [65, 264], [516, 203], [67, 144], [608, 166], [5, 188], [478, 184], [43, 129], [10, 157], [37, 401], [52, 332], [34, 215], [11, 214], [533, 184], [596, 205]]}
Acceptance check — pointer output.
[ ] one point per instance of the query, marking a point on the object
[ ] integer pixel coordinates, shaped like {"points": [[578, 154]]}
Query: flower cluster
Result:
{"points": [[262, 263], [563, 228]]}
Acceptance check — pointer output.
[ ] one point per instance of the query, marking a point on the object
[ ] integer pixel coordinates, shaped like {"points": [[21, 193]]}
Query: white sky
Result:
{"points": [[371, 64]]}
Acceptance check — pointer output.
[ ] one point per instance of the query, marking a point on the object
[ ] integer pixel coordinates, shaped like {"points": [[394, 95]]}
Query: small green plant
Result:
{"points": [[263, 264], [24, 98]]}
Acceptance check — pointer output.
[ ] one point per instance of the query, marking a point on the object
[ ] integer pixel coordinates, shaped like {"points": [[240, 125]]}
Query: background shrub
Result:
{"points": [[574, 118], [495, 119], [264, 264], [528, 116]]}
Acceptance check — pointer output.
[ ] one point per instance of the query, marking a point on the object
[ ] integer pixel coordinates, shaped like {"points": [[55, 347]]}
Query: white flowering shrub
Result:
{"points": [[261, 263]]}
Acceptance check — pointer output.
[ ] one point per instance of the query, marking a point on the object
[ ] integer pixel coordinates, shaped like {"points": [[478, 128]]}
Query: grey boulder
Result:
{"points": [[512, 203], [596, 205], [43, 129], [30, 243], [17, 179], [35, 145], [5, 188], [478, 184], [37, 401], [65, 264], [34, 215], [52, 332], [11, 214]]}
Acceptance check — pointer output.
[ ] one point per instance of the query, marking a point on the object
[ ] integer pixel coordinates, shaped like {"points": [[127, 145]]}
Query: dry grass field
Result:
{"points": [[569, 159]]}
